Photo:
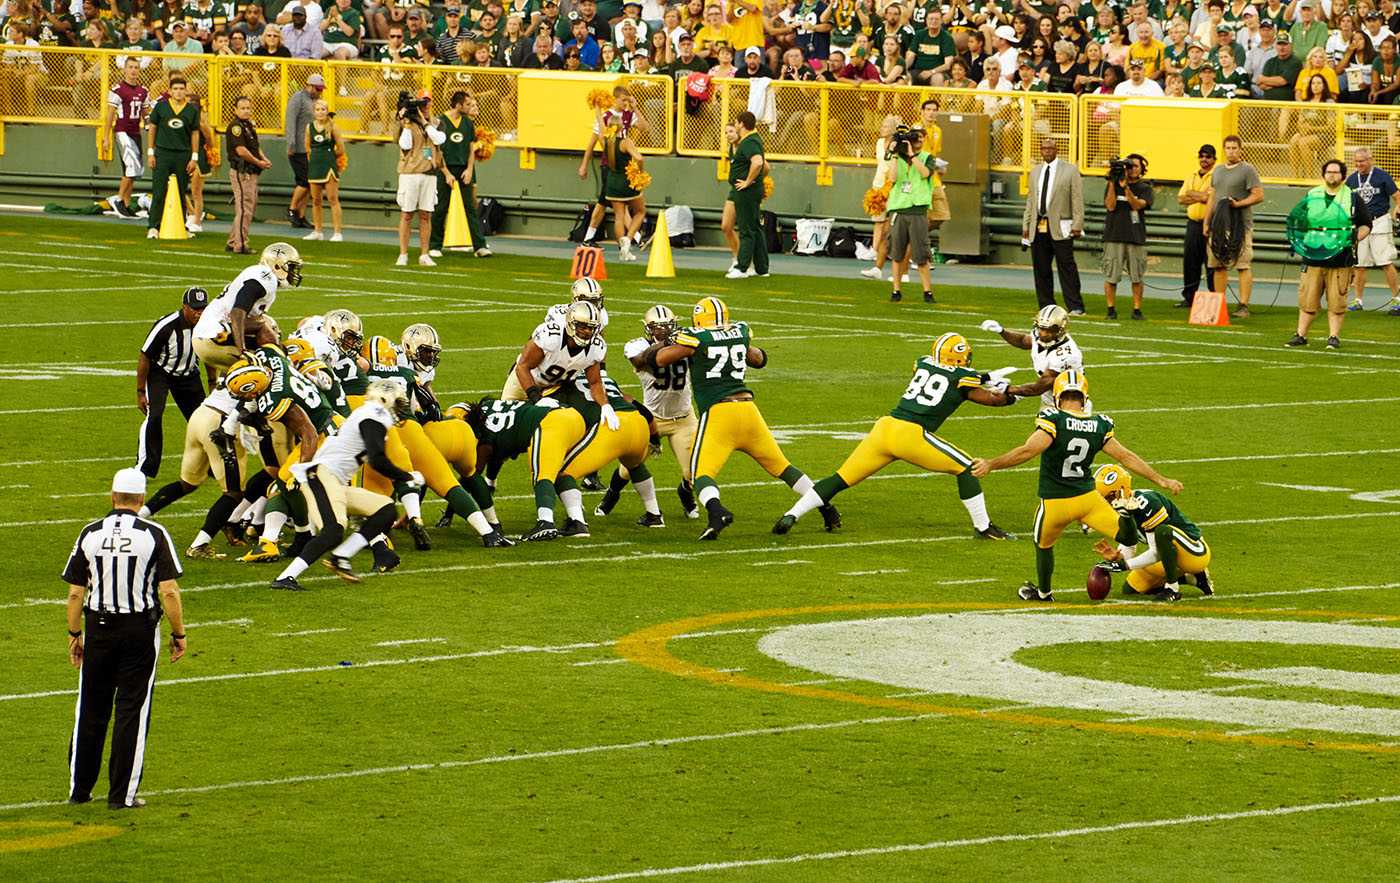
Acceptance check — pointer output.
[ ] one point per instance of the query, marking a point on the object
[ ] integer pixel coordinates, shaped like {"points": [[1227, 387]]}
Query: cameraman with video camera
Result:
{"points": [[911, 178], [419, 162], [1126, 197]]}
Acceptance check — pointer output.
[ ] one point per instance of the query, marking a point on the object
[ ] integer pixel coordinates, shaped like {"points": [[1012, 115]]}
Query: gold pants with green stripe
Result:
{"points": [[894, 439], [556, 436], [601, 446], [1054, 515], [727, 427], [1192, 556], [456, 442]]}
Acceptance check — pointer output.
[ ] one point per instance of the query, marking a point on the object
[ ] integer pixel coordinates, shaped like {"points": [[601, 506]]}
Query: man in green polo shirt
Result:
{"points": [[1281, 72], [172, 148], [746, 171], [458, 154]]}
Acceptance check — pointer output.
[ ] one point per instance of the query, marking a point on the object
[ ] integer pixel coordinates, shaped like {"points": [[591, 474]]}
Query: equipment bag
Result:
{"points": [[769, 222], [581, 220], [812, 235], [842, 242], [680, 226], [492, 214]]}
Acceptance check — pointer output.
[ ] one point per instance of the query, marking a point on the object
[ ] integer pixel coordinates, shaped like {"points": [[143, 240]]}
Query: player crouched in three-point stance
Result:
{"points": [[1175, 548], [940, 384], [219, 333], [1066, 439], [719, 355], [325, 483]]}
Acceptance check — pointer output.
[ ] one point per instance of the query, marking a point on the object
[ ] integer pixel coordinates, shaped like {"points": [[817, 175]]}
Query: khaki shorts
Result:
{"points": [[1241, 262], [1333, 280], [417, 193], [1120, 256], [938, 208], [1378, 249], [201, 458]]}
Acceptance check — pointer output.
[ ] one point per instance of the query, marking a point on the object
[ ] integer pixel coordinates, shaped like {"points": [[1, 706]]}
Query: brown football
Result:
{"points": [[1099, 582]]}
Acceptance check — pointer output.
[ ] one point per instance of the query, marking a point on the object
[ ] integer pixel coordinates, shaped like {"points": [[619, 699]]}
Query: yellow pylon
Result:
{"points": [[660, 263], [457, 234], [172, 218]]}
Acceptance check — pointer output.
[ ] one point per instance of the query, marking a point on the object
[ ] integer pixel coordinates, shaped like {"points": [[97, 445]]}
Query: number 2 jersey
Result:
{"points": [[1066, 466], [665, 390], [719, 363], [934, 393]]}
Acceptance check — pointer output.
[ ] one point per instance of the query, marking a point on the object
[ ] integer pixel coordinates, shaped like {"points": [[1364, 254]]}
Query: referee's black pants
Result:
{"points": [[119, 661], [1193, 261], [188, 392]]}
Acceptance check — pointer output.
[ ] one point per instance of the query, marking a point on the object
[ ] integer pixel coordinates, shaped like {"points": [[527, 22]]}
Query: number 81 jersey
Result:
{"points": [[935, 392], [1066, 467], [719, 363]]}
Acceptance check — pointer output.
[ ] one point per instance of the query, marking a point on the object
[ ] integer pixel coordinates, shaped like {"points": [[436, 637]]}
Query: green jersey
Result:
{"points": [[336, 34], [930, 51], [173, 127], [934, 393], [575, 395], [289, 388], [1075, 439], [346, 369], [744, 152], [1155, 509], [457, 149], [510, 427], [720, 360]]}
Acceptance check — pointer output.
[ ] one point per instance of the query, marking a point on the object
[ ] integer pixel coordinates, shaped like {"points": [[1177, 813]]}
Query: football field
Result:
{"points": [[872, 703]]}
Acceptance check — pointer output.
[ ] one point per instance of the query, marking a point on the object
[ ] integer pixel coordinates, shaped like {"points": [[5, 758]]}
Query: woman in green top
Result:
{"points": [[622, 156], [608, 60], [324, 146], [340, 31], [727, 217], [1385, 84]]}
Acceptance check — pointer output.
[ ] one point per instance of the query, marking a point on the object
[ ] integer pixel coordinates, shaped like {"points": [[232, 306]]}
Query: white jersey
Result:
{"points": [[215, 318], [343, 452], [423, 375], [665, 392], [345, 367], [221, 400], [1058, 357], [558, 311], [560, 365]]}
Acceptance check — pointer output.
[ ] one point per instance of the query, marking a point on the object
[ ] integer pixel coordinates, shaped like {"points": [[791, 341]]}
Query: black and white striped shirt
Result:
{"points": [[122, 560], [169, 345]]}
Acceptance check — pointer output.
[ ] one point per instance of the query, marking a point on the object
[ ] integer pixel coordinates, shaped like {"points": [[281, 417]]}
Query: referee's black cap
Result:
{"points": [[196, 298]]}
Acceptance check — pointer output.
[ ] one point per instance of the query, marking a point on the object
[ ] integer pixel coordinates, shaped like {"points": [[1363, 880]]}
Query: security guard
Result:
{"points": [[459, 154], [174, 129], [167, 364], [246, 161], [120, 576]]}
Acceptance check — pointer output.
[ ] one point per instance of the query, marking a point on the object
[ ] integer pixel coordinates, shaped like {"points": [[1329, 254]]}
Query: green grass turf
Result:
{"points": [[533, 766]]}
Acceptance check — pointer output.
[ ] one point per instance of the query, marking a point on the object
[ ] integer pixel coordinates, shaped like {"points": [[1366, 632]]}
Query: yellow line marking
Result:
{"points": [[58, 236], [62, 834], [532, 273], [648, 647]]}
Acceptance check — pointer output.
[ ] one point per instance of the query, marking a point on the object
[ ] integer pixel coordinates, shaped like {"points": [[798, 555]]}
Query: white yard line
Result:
{"points": [[307, 632], [869, 572], [411, 641]]}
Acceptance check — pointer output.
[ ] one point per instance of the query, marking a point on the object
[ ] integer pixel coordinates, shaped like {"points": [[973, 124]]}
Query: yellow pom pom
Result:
{"points": [[599, 99], [875, 201], [485, 144], [341, 161], [767, 188], [213, 154], [637, 179]]}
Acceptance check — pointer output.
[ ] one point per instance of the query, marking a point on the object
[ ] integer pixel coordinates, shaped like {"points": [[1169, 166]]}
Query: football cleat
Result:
{"points": [[687, 495], [1356, 304], [992, 532], [784, 525], [592, 483], [385, 561], [952, 351], [605, 505], [202, 551], [1030, 592], [574, 528], [264, 552], [234, 534], [287, 582], [1204, 584], [830, 517], [342, 568], [496, 540], [651, 519], [1169, 595], [543, 531], [419, 534], [445, 520], [720, 518]]}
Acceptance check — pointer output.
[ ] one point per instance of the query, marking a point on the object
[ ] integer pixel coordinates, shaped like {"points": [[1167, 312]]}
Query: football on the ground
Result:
{"points": [[1099, 582]]}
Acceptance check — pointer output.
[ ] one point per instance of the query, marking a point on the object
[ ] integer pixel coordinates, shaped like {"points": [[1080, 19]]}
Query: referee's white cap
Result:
{"points": [[129, 481]]}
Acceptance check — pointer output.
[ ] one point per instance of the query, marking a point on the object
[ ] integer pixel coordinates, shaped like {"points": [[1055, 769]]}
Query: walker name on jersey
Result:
{"points": [[734, 332]]}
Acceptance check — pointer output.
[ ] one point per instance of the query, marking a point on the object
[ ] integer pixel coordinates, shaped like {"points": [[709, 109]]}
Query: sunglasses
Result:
{"points": [[571, 55]]}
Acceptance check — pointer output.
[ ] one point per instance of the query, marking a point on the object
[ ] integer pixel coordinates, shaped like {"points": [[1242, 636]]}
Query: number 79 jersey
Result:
{"points": [[1066, 467], [719, 363], [934, 393]]}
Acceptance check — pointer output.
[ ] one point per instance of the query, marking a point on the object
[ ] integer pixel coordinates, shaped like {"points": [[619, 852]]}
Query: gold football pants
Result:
{"points": [[1054, 515], [734, 426], [628, 444], [1192, 556], [894, 439]]}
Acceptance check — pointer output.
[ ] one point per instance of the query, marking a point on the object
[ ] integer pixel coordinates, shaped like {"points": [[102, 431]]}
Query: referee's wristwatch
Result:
{"points": [[73, 634]]}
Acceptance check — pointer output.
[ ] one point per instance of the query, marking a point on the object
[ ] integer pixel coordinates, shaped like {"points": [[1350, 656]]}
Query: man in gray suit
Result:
{"points": [[1053, 219]]}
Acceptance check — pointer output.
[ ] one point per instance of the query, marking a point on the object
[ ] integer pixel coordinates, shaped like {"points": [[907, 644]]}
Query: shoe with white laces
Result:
{"points": [[872, 273], [483, 252], [1355, 305], [402, 261], [192, 225], [625, 247], [152, 233], [425, 261], [313, 236]]}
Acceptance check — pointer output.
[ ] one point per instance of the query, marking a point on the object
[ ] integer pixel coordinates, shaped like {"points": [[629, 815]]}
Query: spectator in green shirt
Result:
{"points": [[1307, 32], [1280, 72], [1207, 87], [930, 54], [340, 32]]}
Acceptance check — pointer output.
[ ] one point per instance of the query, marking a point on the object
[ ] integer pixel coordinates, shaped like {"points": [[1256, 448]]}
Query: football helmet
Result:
{"points": [[299, 351], [659, 323], [1054, 320], [392, 396], [457, 411], [284, 261], [380, 353], [247, 379], [711, 313], [952, 351], [587, 289], [1071, 380], [1113, 482], [581, 321], [420, 346], [346, 329]]}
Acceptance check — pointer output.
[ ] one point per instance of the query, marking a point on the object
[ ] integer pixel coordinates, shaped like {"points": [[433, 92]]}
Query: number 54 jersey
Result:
{"points": [[719, 363], [1066, 467]]}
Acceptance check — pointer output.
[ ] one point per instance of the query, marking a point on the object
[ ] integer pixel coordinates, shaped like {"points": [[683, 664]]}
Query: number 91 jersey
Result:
{"points": [[560, 364], [1066, 467], [719, 363], [935, 392]]}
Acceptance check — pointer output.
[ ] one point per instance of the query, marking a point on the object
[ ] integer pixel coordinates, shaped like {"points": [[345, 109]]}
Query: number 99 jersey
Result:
{"points": [[934, 393], [560, 364], [666, 390]]}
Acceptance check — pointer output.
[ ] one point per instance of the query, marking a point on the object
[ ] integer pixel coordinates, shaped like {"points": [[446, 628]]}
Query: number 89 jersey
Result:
{"points": [[719, 363], [1066, 467], [665, 390], [934, 393]]}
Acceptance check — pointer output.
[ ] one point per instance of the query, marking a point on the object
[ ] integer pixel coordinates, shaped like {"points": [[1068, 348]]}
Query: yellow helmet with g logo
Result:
{"points": [[457, 411], [380, 353], [1112, 482], [1071, 380], [711, 312], [952, 351], [299, 351], [247, 379]]}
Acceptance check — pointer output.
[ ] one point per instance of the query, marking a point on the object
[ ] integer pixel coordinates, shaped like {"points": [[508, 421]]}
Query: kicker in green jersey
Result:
{"points": [[1065, 466], [719, 363], [935, 392], [1154, 510]]}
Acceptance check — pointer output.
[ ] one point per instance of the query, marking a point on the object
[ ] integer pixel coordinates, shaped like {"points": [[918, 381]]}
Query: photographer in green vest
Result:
{"points": [[911, 181], [458, 151], [1331, 218]]}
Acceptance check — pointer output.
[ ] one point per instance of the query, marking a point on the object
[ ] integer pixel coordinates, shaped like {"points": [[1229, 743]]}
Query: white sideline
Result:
{"points": [[984, 841], [506, 758]]}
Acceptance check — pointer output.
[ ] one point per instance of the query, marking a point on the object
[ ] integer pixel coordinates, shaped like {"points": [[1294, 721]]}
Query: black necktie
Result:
{"points": [[1044, 187]]}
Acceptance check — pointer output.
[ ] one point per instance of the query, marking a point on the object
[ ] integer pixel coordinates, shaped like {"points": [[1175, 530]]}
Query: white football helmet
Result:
{"points": [[582, 321], [587, 289], [420, 346], [284, 261], [346, 330], [659, 323], [392, 396]]}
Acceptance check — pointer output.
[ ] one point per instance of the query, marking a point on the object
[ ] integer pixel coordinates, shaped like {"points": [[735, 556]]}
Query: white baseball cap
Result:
{"points": [[129, 481]]}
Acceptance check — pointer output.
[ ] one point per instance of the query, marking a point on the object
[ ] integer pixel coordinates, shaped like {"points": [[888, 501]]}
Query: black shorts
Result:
{"points": [[298, 161]]}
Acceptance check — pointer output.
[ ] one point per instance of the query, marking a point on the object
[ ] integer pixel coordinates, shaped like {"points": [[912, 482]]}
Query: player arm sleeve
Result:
{"points": [[373, 435], [247, 296], [1149, 557]]}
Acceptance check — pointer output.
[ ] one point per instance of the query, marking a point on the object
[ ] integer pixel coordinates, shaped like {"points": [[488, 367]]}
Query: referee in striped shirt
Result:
{"points": [[168, 364], [120, 576]]}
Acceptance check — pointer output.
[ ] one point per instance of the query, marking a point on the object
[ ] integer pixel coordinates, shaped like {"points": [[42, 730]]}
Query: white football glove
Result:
{"points": [[998, 384], [991, 325], [1124, 505], [417, 478], [322, 380], [1002, 373], [609, 417], [546, 402]]}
